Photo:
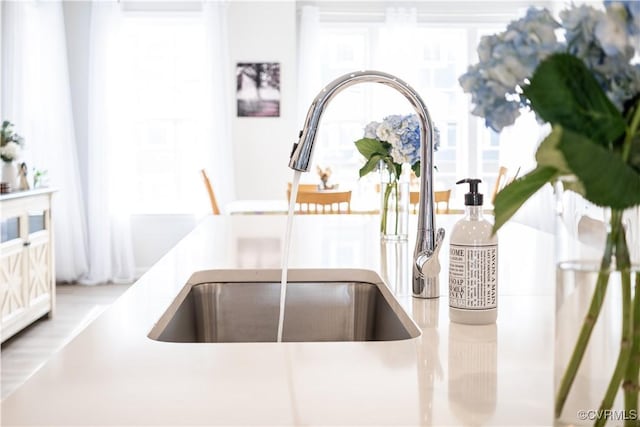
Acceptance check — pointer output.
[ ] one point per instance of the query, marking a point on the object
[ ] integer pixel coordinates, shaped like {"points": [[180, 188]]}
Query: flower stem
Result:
{"points": [[396, 192], [630, 384], [630, 133], [589, 321], [623, 266], [385, 202]]}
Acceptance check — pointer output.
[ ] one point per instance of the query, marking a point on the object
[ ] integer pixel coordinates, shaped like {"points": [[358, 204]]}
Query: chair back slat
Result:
{"points": [[440, 198], [212, 197], [321, 202]]}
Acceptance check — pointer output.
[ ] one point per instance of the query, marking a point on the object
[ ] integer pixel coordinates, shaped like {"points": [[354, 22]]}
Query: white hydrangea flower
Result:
{"points": [[9, 151], [370, 130], [611, 31], [384, 131]]}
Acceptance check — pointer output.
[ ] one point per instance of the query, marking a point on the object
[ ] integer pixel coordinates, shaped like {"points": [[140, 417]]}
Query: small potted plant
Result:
{"points": [[10, 145]]}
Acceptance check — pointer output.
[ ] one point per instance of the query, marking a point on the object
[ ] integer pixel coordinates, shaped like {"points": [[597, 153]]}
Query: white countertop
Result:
{"points": [[113, 374]]}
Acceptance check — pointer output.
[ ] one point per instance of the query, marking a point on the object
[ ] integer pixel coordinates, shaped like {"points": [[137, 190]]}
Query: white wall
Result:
{"points": [[264, 31]]}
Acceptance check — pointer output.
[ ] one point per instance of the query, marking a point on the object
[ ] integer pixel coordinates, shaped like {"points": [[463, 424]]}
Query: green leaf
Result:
{"points": [[634, 153], [549, 154], [563, 91], [394, 168], [398, 167], [607, 179], [416, 168], [511, 197], [370, 165], [368, 147]]}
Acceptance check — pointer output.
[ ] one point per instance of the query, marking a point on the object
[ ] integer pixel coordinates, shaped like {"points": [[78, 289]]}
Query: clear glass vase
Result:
{"points": [[395, 266], [595, 281], [394, 208]]}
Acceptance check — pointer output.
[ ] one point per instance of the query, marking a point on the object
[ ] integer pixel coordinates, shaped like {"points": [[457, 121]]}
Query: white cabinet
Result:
{"points": [[27, 279]]}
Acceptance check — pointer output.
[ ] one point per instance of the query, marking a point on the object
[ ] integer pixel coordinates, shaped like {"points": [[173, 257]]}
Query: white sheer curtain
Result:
{"points": [[309, 59], [1, 73], [108, 189], [14, 55], [117, 129], [218, 148], [36, 98]]}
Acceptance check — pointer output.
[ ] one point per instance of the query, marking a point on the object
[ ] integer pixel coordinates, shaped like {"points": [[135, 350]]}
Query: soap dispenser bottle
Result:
{"points": [[473, 264]]}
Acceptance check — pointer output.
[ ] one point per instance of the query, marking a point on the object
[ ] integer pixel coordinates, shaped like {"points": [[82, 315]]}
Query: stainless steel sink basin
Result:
{"points": [[321, 305]]}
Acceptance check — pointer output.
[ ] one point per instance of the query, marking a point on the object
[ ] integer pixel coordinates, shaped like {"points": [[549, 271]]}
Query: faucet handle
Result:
{"points": [[426, 270], [427, 261]]}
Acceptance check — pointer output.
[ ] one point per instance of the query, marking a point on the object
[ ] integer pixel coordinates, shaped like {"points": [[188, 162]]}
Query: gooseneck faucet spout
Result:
{"points": [[426, 267]]}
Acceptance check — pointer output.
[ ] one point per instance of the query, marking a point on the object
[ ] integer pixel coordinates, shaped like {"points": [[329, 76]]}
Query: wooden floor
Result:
{"points": [[76, 306]]}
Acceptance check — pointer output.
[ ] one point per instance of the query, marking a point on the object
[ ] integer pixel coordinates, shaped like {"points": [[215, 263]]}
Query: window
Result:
{"points": [[165, 104], [428, 55]]}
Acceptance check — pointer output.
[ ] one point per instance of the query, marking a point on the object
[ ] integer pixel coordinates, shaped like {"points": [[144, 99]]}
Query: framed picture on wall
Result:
{"points": [[258, 89]]}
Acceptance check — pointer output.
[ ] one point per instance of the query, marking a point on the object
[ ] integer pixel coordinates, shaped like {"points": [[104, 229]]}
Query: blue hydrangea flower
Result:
{"points": [[506, 61], [611, 31], [370, 130], [629, 10], [406, 149], [603, 39], [402, 132]]}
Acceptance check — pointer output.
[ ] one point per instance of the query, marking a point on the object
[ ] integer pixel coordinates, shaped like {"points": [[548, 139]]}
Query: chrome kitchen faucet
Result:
{"points": [[426, 267]]}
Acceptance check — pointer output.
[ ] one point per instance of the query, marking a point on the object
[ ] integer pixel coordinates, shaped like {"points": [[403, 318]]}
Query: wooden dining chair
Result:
{"points": [[440, 198], [502, 181], [212, 197], [303, 187], [322, 202]]}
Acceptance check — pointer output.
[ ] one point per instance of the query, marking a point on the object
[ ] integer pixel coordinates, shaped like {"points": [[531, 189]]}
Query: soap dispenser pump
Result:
{"points": [[473, 264]]}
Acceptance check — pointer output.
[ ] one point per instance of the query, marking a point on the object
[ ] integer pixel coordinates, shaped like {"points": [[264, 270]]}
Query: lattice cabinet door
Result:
{"points": [[38, 253], [12, 300], [27, 282]]}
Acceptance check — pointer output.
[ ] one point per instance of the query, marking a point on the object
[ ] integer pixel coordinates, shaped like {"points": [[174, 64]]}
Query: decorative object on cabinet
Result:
{"points": [[23, 185], [585, 85], [386, 146], [10, 142], [40, 178], [258, 89], [212, 197], [9, 176], [26, 260], [10, 145]]}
